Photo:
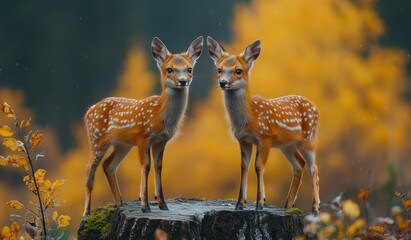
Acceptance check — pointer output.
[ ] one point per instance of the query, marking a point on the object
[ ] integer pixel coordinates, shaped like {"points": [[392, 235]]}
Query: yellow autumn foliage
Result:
{"points": [[63, 221], [15, 204], [5, 131], [353, 228], [350, 209], [326, 50], [39, 175]]}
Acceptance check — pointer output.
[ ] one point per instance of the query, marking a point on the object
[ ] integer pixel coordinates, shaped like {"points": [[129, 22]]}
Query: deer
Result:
{"points": [[146, 123], [289, 123]]}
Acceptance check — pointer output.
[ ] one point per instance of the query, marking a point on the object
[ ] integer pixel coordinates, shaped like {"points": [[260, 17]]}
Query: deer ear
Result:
{"points": [[215, 50], [159, 50], [195, 49], [252, 52]]}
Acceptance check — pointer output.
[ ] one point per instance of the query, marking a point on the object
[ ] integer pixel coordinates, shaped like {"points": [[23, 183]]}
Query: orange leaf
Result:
{"points": [[404, 226], [7, 110], [364, 194], [407, 204], [15, 204], [35, 139], [12, 143], [5, 131]]}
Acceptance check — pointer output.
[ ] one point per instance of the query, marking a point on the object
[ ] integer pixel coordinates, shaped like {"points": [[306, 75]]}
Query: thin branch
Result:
{"points": [[34, 179]]}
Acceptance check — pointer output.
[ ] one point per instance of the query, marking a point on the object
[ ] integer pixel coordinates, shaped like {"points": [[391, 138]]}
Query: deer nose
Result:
{"points": [[223, 83], [182, 82]]}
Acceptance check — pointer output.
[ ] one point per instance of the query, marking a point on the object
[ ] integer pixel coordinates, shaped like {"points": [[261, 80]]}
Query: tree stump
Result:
{"points": [[200, 219]]}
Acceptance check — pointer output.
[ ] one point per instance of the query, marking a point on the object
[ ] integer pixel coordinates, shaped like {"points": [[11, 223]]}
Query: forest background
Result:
{"points": [[351, 58]]}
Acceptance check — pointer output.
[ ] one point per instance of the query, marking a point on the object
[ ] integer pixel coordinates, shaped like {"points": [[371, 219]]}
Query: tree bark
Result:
{"points": [[203, 219]]}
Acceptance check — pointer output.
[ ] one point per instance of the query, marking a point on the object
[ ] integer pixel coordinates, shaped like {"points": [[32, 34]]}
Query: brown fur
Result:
{"points": [[289, 123]]}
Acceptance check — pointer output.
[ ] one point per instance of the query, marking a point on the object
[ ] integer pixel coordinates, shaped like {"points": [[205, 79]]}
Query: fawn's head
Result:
{"points": [[233, 70], [176, 69]]}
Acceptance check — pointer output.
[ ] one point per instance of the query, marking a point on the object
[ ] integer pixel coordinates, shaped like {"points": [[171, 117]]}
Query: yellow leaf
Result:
{"points": [[55, 215], [7, 110], [12, 143], [6, 233], [325, 217], [353, 228], [5, 131], [15, 228], [63, 221], [39, 175], [27, 179], [17, 160], [35, 139], [378, 229], [47, 183], [14, 204], [3, 161], [57, 183], [25, 124], [350, 208]]}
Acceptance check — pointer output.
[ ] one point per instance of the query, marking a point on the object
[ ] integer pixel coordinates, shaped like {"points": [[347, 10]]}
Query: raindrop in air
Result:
{"points": [[211, 11]]}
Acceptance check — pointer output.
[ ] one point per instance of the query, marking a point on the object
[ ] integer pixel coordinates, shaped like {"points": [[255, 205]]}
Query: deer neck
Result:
{"points": [[174, 103], [238, 105]]}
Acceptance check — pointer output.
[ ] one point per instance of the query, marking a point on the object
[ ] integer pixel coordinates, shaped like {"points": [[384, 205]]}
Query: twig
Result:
{"points": [[34, 179]]}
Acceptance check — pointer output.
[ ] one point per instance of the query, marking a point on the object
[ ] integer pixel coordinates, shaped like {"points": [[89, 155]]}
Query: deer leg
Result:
{"points": [[261, 158], [110, 169], [298, 163], [95, 157], [158, 150], [313, 171], [144, 153], [246, 150]]}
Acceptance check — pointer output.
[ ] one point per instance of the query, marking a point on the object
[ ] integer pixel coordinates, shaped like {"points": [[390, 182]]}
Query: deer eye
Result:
{"points": [[189, 70], [219, 71], [238, 71], [169, 70]]}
